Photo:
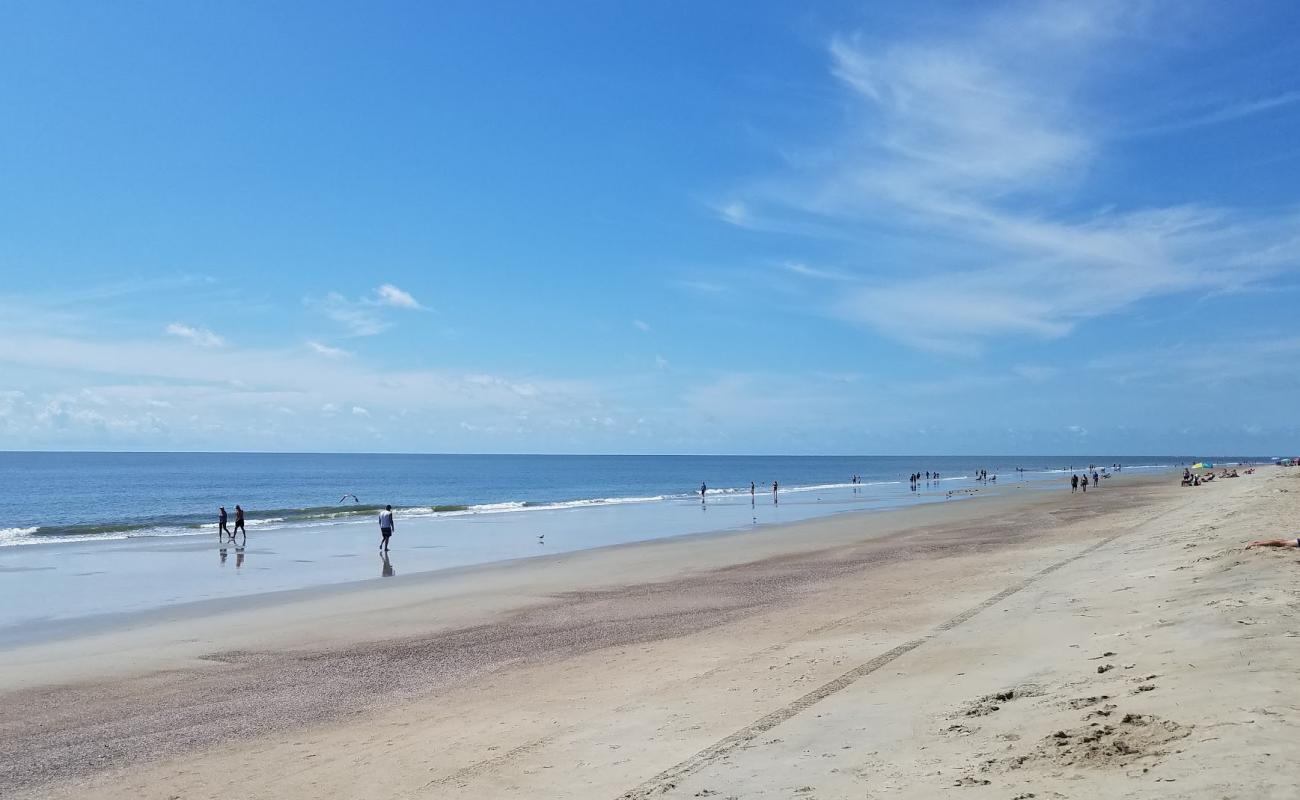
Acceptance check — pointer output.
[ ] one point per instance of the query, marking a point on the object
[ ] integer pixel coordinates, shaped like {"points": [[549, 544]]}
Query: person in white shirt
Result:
{"points": [[385, 527]]}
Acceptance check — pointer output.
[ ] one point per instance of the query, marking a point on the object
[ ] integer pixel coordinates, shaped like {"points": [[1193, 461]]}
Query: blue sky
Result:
{"points": [[657, 227]]}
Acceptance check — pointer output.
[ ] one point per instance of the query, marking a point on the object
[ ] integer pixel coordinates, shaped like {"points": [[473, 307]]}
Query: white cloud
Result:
{"points": [[200, 336], [735, 213], [390, 295], [360, 319], [812, 272], [971, 148], [327, 351], [644, 327], [365, 317], [358, 411]]}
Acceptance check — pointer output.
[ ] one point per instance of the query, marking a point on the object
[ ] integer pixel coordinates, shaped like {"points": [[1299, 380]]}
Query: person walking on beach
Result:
{"points": [[1096, 479], [239, 522], [751, 489], [385, 527], [1083, 483], [1074, 483], [221, 522]]}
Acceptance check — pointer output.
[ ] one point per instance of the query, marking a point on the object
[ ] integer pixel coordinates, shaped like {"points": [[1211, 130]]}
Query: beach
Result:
{"points": [[1035, 643]]}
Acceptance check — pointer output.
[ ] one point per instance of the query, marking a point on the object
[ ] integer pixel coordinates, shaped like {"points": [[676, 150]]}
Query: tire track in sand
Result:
{"points": [[667, 780]]}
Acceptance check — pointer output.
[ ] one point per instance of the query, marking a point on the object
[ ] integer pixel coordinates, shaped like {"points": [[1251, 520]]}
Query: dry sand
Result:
{"points": [[1114, 644]]}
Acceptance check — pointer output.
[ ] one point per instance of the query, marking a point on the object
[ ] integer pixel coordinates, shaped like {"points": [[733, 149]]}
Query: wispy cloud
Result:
{"points": [[735, 212], [358, 318], [813, 272], [1229, 112], [200, 336], [327, 351], [703, 287], [390, 295], [980, 147], [641, 325], [365, 316]]}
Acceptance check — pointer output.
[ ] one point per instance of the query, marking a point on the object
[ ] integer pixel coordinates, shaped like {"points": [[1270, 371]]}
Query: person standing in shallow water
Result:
{"points": [[704, 487], [774, 498], [385, 527]]}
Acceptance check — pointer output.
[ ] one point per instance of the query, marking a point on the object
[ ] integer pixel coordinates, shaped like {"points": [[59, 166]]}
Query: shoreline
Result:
{"points": [[86, 584], [655, 556]]}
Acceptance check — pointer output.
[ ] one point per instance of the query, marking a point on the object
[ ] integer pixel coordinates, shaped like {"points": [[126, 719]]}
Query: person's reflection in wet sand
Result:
{"points": [[387, 571], [239, 556], [223, 555]]}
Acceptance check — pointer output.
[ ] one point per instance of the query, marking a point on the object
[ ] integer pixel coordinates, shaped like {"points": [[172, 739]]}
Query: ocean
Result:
{"points": [[86, 538], [75, 497]]}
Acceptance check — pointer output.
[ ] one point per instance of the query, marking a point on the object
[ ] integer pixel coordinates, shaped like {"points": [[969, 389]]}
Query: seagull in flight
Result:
{"points": [[346, 496]]}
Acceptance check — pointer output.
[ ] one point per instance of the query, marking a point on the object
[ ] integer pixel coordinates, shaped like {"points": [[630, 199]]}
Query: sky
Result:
{"points": [[658, 227]]}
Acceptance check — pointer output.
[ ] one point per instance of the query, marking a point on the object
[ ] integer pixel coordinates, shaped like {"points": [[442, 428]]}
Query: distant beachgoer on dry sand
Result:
{"points": [[1275, 543]]}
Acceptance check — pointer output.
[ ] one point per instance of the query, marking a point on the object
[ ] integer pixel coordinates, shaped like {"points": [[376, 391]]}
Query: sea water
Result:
{"points": [[86, 534]]}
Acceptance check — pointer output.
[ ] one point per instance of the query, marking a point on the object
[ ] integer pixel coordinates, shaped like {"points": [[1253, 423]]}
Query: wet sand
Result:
{"points": [[902, 654]]}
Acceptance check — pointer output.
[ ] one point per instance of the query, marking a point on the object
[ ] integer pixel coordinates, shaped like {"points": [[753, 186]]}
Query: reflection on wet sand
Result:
{"points": [[387, 571]]}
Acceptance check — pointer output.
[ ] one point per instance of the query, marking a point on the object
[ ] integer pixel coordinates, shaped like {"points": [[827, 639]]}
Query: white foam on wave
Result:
{"points": [[7, 534]]}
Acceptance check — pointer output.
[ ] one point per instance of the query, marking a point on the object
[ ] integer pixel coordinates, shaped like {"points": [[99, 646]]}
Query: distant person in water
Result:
{"points": [[239, 522], [221, 522], [385, 527]]}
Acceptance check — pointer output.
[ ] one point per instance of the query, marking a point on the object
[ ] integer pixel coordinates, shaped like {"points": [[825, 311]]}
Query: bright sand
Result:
{"points": [[1114, 644]]}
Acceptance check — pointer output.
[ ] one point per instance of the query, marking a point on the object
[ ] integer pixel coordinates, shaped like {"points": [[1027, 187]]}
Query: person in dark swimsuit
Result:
{"points": [[239, 522], [221, 522]]}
